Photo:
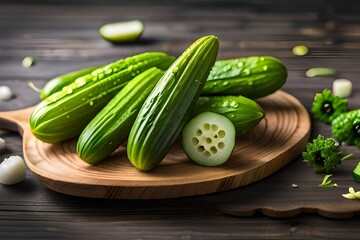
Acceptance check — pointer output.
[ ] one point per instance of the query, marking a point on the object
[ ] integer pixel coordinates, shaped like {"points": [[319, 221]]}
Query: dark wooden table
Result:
{"points": [[62, 36]]}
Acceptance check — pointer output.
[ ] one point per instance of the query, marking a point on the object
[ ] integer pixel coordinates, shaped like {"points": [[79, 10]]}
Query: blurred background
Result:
{"points": [[63, 35]]}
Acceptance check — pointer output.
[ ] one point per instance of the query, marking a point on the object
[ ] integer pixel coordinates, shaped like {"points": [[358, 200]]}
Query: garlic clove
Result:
{"points": [[342, 88], [12, 170], [5, 93]]}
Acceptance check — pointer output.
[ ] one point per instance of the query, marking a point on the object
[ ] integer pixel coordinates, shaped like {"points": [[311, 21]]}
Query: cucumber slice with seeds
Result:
{"points": [[209, 139], [121, 32]]}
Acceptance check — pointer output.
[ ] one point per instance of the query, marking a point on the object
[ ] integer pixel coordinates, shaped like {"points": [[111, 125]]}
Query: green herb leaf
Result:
{"points": [[323, 155], [326, 182]]}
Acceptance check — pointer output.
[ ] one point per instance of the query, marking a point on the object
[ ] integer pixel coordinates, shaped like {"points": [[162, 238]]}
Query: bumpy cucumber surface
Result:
{"points": [[111, 126], [209, 139], [243, 112], [252, 77], [64, 114], [167, 108], [346, 128], [57, 83]]}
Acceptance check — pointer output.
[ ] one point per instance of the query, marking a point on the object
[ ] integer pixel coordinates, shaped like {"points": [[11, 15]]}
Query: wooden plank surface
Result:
{"points": [[62, 36]]}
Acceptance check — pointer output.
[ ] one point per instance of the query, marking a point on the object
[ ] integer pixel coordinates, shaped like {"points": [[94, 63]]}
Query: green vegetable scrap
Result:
{"points": [[28, 62], [300, 50], [326, 106], [352, 194], [323, 154], [346, 128], [356, 173], [320, 72], [326, 182]]}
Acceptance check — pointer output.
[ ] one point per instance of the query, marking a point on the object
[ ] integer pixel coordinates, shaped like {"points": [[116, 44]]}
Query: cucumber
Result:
{"points": [[209, 139], [64, 114], [243, 112], [356, 173], [346, 127], [168, 106], [57, 83], [111, 126], [253, 77], [121, 32]]}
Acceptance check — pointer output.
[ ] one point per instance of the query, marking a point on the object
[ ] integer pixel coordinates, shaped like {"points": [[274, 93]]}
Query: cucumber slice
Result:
{"points": [[356, 173], [209, 139], [121, 32]]}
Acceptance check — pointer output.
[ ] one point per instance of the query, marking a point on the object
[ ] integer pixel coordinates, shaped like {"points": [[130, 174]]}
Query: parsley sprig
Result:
{"points": [[324, 155]]}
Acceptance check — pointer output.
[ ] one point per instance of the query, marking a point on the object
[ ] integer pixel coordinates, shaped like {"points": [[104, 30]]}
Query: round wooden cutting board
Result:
{"points": [[279, 138]]}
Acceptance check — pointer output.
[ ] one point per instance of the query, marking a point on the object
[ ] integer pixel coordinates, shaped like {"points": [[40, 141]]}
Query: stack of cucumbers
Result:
{"points": [[149, 98]]}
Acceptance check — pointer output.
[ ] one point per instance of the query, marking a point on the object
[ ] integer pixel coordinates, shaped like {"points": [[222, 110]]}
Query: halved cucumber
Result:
{"points": [[209, 139], [119, 32]]}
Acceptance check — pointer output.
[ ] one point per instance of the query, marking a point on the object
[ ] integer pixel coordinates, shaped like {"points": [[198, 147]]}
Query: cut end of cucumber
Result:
{"points": [[209, 139], [122, 32], [356, 173]]}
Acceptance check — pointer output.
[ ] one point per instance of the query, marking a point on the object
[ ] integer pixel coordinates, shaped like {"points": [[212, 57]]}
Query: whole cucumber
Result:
{"points": [[243, 112], [252, 77], [168, 106], [111, 126], [64, 114], [57, 83]]}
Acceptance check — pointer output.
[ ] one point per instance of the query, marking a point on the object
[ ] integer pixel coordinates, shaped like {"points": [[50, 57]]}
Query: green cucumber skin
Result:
{"points": [[342, 127], [111, 126], [64, 114], [243, 112], [253, 77], [57, 83], [168, 107], [356, 173]]}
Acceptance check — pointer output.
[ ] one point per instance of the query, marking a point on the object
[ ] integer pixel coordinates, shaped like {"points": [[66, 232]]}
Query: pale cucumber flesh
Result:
{"points": [[127, 31]]}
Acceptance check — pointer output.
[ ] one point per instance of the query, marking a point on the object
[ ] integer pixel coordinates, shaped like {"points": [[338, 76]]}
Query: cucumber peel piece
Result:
{"points": [[356, 173], [122, 32], [209, 139]]}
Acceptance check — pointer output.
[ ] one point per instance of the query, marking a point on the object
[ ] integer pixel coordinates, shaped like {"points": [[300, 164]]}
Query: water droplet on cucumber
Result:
{"points": [[234, 104], [240, 64], [175, 70], [246, 72], [226, 103]]}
